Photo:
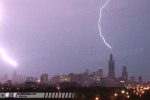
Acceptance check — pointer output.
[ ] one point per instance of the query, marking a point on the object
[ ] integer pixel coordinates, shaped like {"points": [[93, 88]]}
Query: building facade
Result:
{"points": [[44, 78]]}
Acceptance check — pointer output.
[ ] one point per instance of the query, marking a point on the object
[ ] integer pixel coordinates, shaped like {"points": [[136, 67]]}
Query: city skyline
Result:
{"points": [[88, 76], [56, 37]]}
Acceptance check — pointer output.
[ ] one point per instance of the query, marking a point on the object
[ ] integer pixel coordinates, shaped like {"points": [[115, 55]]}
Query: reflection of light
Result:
{"points": [[128, 96]]}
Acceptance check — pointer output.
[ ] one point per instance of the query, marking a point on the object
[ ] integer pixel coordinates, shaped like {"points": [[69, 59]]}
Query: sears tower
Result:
{"points": [[111, 67]]}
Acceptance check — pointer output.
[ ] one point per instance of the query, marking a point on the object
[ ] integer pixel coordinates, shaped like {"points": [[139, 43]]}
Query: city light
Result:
{"points": [[97, 98], [58, 87], [38, 81], [115, 94], [123, 91], [122, 81]]}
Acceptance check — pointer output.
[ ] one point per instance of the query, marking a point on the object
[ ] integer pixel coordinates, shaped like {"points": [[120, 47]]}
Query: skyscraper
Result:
{"points": [[124, 73], [140, 79], [111, 67]]}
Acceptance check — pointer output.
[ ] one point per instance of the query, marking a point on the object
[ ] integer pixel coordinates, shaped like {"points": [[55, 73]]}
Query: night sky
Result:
{"points": [[61, 36]]}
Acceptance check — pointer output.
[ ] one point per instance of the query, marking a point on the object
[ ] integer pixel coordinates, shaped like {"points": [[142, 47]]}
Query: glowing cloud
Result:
{"points": [[7, 58], [99, 25]]}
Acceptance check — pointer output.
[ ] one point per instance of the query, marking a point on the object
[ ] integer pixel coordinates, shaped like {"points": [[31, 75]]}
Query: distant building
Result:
{"points": [[85, 77], [124, 73], [14, 76], [100, 72], [140, 79], [55, 79], [111, 67], [44, 78], [87, 71], [9, 82], [124, 77], [64, 78], [21, 79], [30, 79], [5, 78], [132, 79]]}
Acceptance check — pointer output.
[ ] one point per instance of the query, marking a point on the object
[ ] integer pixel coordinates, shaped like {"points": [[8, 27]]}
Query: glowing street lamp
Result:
{"points": [[128, 96], [123, 91], [115, 94], [97, 98]]}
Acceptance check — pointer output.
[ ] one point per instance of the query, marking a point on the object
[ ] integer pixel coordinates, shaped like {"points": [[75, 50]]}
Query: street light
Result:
{"points": [[97, 98], [123, 91], [115, 94]]}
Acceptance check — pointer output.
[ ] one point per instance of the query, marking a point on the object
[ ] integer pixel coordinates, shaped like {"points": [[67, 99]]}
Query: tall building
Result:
{"points": [[111, 67], [44, 78], [124, 73], [140, 79]]}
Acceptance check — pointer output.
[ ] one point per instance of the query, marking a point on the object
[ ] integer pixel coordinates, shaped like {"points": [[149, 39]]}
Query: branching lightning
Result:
{"points": [[7, 58], [99, 24]]}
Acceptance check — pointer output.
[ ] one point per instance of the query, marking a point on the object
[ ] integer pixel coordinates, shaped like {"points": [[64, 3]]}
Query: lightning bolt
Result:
{"points": [[99, 24], [7, 58], [2, 51]]}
